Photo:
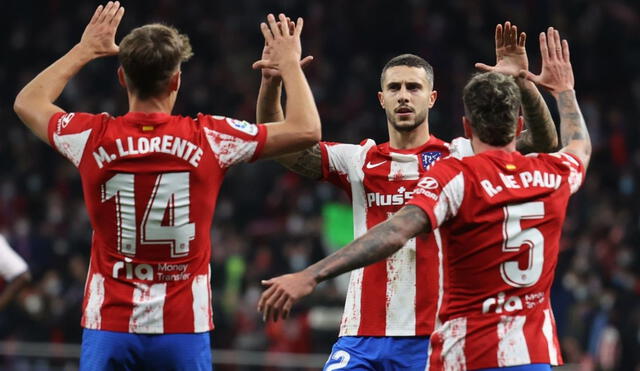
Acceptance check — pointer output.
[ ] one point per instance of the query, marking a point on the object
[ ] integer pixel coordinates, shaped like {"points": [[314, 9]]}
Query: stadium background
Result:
{"points": [[269, 221]]}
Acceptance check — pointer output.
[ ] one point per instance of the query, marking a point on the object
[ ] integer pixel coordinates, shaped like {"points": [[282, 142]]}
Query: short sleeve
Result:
{"points": [[70, 132], [440, 192], [233, 141], [341, 161], [575, 166], [11, 264]]}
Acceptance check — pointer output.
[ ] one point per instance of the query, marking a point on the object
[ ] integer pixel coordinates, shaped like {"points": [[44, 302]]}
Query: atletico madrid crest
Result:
{"points": [[429, 157]]}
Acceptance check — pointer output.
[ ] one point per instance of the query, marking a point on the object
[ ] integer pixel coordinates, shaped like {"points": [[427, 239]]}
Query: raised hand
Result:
{"points": [[282, 43], [282, 292], [511, 55], [99, 36], [557, 73], [269, 73]]}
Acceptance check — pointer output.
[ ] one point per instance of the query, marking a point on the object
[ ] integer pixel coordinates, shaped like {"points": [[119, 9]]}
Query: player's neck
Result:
{"points": [[151, 105], [409, 139], [479, 146]]}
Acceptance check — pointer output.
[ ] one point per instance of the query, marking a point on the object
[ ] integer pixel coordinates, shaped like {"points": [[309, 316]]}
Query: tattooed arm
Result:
{"points": [[557, 77], [307, 162], [378, 243], [541, 135], [573, 129]]}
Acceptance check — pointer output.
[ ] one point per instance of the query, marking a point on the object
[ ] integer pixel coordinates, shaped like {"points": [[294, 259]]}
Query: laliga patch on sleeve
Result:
{"points": [[428, 158], [243, 126]]}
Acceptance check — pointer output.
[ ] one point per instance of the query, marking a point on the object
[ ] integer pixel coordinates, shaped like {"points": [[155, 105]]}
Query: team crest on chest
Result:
{"points": [[428, 158]]}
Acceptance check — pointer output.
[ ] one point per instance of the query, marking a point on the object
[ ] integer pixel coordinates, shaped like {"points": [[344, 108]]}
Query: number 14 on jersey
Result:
{"points": [[170, 196]]}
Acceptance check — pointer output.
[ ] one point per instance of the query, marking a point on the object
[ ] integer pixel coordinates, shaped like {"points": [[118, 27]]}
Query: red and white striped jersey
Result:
{"points": [[150, 184], [387, 298], [501, 214]]}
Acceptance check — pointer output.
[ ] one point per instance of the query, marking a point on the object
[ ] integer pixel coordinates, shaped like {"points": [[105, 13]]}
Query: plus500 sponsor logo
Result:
{"points": [[378, 199]]}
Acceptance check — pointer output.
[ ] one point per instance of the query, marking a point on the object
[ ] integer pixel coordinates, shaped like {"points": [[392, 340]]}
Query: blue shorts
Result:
{"points": [[108, 350], [379, 353], [531, 367]]}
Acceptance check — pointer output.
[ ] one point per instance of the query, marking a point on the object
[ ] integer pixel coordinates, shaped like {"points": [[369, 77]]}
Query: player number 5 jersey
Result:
{"points": [[502, 215]]}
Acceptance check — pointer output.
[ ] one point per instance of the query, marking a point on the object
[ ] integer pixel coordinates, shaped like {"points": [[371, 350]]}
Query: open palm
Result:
{"points": [[511, 55]]}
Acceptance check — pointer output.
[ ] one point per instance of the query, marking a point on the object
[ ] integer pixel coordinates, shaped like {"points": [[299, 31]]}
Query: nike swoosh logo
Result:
{"points": [[371, 166]]}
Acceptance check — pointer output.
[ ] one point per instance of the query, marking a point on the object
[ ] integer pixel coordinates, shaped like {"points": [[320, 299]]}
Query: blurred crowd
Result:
{"points": [[269, 221]]}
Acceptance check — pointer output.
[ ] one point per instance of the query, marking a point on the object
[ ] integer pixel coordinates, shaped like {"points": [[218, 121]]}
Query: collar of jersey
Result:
{"points": [[154, 118], [501, 154], [386, 147]]}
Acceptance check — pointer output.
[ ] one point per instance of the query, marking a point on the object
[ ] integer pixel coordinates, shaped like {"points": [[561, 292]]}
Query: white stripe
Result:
{"points": [[512, 345], [201, 303], [450, 199], [436, 235], [547, 330], [570, 158], [453, 334], [353, 163], [401, 291], [351, 316], [148, 309], [348, 158], [404, 167], [92, 316], [72, 145]]}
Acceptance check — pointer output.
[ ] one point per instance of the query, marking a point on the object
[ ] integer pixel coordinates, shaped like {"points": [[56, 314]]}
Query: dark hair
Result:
{"points": [[409, 60], [150, 55], [491, 103]]}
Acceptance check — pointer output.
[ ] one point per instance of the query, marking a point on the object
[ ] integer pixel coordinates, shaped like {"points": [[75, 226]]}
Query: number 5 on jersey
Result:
{"points": [[170, 197], [515, 237]]}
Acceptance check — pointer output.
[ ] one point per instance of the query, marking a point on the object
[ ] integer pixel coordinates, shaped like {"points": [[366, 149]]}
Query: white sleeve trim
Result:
{"points": [[228, 149], [72, 145], [450, 200], [348, 159]]}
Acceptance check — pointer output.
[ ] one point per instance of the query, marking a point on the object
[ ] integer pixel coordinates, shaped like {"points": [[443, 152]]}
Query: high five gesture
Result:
{"points": [[557, 73], [100, 34]]}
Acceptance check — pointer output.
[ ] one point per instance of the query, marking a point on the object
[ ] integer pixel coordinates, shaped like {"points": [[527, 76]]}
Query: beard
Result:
{"points": [[420, 118]]}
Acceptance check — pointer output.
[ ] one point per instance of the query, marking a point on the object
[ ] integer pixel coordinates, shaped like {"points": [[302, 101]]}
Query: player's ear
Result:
{"points": [[381, 99], [520, 126], [174, 81], [466, 124], [432, 98], [121, 77]]}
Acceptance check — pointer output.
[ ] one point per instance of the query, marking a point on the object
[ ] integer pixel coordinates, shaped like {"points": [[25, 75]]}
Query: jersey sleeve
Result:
{"points": [[574, 164], [233, 141], [339, 160], [70, 132], [11, 264], [440, 192]]}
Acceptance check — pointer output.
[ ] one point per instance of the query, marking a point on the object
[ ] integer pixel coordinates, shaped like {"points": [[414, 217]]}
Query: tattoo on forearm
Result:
{"points": [[307, 163], [380, 242], [541, 135], [572, 125]]}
